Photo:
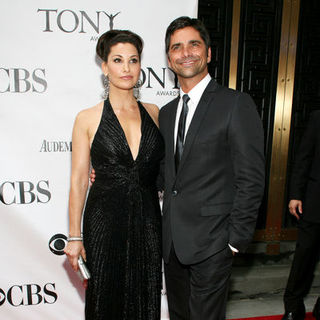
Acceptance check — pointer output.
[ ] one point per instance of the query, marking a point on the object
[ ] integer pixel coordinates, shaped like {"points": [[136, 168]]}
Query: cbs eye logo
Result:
{"points": [[57, 243], [2, 297]]}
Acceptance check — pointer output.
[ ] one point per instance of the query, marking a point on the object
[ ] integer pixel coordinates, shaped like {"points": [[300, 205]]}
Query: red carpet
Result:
{"points": [[308, 317]]}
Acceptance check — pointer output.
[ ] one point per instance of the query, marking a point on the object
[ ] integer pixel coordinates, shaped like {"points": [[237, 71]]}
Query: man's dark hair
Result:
{"points": [[184, 22], [113, 37]]}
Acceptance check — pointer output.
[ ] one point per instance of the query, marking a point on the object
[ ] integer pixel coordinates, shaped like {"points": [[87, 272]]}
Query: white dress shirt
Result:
{"points": [[195, 95]]}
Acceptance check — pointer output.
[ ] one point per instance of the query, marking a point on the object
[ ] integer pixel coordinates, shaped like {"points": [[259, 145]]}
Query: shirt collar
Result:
{"points": [[196, 92]]}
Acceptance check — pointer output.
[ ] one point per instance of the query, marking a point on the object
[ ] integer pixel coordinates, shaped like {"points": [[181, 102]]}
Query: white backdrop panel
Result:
{"points": [[48, 73]]}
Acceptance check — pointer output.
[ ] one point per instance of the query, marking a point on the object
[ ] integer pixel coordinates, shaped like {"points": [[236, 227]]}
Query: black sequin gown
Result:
{"points": [[122, 223]]}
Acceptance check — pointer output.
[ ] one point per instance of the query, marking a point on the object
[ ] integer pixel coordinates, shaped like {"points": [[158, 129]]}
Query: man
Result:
{"points": [[304, 195], [213, 177]]}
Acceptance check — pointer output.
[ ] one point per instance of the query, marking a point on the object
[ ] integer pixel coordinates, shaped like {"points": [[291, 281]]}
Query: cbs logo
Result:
{"points": [[24, 192], [29, 294], [57, 243]]}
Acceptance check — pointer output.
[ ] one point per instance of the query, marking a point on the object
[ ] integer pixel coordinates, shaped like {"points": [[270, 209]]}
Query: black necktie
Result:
{"points": [[181, 130]]}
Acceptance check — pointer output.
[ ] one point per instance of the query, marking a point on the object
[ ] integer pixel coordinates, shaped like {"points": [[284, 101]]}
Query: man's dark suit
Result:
{"points": [[214, 197], [305, 186], [305, 181]]}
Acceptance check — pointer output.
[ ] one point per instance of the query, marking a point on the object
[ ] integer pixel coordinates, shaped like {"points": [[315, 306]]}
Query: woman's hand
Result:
{"points": [[73, 250]]}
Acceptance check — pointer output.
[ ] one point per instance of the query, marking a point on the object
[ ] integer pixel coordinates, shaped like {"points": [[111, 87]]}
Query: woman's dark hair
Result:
{"points": [[184, 22], [113, 37]]}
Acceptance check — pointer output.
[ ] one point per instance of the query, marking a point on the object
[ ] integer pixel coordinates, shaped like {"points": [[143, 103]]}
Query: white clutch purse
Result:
{"points": [[83, 268]]}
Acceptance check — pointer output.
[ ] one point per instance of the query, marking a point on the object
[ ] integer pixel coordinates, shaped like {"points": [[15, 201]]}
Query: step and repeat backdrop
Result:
{"points": [[48, 73]]}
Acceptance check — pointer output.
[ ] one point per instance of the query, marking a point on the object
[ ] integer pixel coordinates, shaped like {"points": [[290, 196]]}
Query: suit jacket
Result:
{"points": [[305, 181], [214, 197]]}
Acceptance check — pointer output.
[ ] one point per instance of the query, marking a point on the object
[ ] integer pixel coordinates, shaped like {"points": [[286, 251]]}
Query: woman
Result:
{"points": [[121, 223]]}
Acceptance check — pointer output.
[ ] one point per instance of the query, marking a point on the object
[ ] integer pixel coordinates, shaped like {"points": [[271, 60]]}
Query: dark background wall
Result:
{"points": [[258, 59]]}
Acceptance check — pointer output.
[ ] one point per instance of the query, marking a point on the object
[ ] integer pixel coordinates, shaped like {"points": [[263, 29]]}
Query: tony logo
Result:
{"points": [[111, 18]]}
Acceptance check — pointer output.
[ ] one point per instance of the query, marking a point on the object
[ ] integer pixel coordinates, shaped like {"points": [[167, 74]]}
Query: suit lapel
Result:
{"points": [[206, 99]]}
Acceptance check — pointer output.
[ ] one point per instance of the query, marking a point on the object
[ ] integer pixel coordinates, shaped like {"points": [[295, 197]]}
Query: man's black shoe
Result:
{"points": [[316, 310], [293, 316]]}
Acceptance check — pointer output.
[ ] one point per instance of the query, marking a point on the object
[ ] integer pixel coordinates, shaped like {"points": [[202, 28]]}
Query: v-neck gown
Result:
{"points": [[122, 223]]}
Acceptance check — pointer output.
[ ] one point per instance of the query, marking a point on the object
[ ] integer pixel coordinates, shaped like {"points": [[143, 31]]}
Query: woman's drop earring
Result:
{"points": [[106, 87], [136, 89]]}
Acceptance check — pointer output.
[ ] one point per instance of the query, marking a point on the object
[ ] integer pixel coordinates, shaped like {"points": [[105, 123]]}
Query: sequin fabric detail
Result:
{"points": [[122, 223]]}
